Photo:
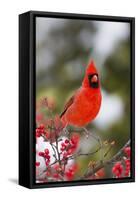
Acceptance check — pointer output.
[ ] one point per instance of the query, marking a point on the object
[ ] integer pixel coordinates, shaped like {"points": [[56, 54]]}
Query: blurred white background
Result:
{"points": [[9, 99]]}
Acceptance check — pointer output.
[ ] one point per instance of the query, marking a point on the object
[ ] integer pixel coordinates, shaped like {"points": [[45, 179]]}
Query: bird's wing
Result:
{"points": [[67, 105]]}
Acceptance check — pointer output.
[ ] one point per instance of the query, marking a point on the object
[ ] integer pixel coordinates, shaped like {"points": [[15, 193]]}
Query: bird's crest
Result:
{"points": [[91, 69]]}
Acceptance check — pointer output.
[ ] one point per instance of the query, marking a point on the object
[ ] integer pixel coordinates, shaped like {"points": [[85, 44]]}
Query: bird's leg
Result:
{"points": [[97, 138], [86, 132]]}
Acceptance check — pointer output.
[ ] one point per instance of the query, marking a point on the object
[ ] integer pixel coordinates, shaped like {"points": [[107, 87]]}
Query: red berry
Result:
{"points": [[40, 130], [127, 167], [65, 154], [56, 175], [69, 151], [73, 146], [47, 162], [67, 141], [37, 164], [62, 148], [47, 157], [63, 145], [127, 151], [75, 139], [47, 173], [41, 126], [117, 169], [113, 170], [38, 133], [41, 154], [46, 151]]}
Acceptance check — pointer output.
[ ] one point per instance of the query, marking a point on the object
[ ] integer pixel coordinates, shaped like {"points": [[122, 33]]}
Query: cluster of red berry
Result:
{"points": [[117, 169], [127, 151], [122, 168], [40, 130], [127, 167], [56, 171], [69, 146], [46, 156], [51, 130], [70, 173]]}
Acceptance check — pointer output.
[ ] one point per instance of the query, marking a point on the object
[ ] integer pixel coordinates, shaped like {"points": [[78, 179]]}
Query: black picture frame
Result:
{"points": [[27, 85]]}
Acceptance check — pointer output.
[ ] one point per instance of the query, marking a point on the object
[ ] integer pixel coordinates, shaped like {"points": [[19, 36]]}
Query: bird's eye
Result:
{"points": [[94, 79]]}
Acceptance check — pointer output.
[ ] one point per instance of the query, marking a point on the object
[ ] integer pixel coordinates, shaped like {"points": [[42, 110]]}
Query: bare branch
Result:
{"points": [[100, 165], [84, 154]]}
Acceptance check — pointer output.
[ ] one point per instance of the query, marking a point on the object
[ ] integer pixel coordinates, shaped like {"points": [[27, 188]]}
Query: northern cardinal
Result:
{"points": [[85, 104]]}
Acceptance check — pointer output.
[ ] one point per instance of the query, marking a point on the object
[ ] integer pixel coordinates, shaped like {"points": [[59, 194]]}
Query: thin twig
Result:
{"points": [[84, 154], [109, 149], [98, 139], [53, 147], [103, 164]]}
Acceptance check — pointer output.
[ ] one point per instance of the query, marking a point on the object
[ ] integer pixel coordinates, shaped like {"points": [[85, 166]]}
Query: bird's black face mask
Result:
{"points": [[93, 80]]}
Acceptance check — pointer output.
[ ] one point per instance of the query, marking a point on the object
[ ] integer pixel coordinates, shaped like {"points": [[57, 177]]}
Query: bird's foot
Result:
{"points": [[86, 132]]}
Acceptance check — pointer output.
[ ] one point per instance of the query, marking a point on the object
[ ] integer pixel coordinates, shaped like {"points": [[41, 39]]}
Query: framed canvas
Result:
{"points": [[76, 99]]}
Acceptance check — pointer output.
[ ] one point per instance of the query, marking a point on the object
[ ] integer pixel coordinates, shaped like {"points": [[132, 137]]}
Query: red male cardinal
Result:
{"points": [[84, 106]]}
